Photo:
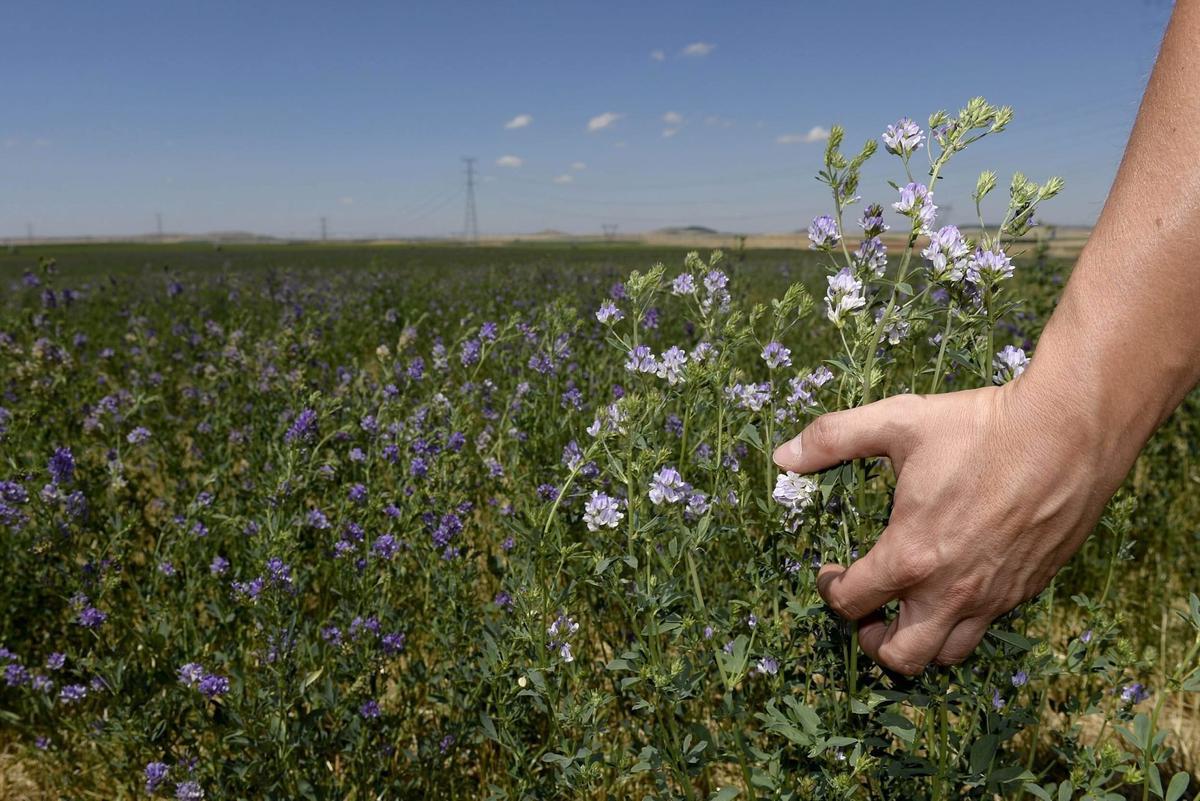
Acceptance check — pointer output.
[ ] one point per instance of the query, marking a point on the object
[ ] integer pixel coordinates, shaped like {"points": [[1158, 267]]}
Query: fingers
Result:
{"points": [[962, 640], [910, 641], [876, 429], [869, 583]]}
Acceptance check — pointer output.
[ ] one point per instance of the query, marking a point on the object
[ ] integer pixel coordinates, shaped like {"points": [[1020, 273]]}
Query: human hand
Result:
{"points": [[996, 489]]}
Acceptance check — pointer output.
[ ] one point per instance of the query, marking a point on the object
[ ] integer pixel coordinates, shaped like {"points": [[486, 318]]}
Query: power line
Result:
{"points": [[471, 224]]}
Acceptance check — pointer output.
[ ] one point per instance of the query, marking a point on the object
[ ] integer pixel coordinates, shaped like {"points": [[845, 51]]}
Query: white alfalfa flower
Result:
{"points": [[794, 491], [601, 511], [844, 295], [1009, 363]]}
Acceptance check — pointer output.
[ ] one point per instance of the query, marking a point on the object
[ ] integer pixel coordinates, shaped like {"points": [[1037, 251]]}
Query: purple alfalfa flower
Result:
{"points": [[988, 267], [708, 632], [213, 685], [674, 425], [495, 469], [683, 284], [199, 529], [823, 233], [448, 526], [641, 360], [572, 398], [547, 492], [392, 643], [1020, 678], [1009, 363], [601, 511], [1134, 693], [767, 666], [279, 572], [357, 493], [488, 331], [369, 709], [903, 138], [90, 617], [61, 466], [871, 256], [572, 455], [248, 590], [776, 355], [156, 774], [418, 467], [872, 222], [317, 519], [218, 566], [843, 296], [947, 255], [303, 428], [997, 700], [448, 741], [190, 674], [470, 352], [668, 486], [189, 791], [138, 435], [916, 202], [503, 600], [456, 441], [16, 674], [508, 544], [5, 419], [697, 505], [670, 365], [752, 397], [650, 319], [385, 546], [1086, 636], [56, 661], [13, 492], [72, 693], [331, 635], [42, 684]]}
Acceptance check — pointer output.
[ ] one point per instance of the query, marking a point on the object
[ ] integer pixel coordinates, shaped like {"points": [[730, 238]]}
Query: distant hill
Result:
{"points": [[687, 230]]}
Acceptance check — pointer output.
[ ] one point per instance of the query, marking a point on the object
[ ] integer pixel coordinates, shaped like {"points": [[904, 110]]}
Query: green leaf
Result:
{"points": [[750, 434], [310, 678], [1011, 638], [1179, 784], [1038, 791], [725, 794]]}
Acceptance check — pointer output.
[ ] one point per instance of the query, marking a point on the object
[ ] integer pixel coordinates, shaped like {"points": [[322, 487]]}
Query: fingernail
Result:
{"points": [[787, 452]]}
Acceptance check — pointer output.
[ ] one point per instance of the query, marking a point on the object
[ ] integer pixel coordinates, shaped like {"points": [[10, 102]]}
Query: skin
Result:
{"points": [[998, 487]]}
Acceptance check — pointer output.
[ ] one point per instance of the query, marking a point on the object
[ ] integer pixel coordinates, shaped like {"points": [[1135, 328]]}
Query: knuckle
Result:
{"points": [[847, 608], [964, 593], [911, 565], [902, 663]]}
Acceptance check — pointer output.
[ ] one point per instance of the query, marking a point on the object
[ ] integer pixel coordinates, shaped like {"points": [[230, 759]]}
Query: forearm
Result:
{"points": [[1123, 348]]}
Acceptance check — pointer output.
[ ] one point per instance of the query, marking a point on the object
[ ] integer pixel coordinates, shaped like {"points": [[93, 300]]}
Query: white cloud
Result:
{"points": [[669, 132], [716, 120], [565, 178], [658, 55], [602, 121], [346, 200], [509, 161], [815, 134], [578, 166], [698, 49], [519, 121], [673, 118]]}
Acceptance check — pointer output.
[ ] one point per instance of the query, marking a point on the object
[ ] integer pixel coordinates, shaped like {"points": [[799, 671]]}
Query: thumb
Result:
{"points": [[877, 429]]}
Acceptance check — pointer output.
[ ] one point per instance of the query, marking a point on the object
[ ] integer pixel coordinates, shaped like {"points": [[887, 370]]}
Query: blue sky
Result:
{"points": [[267, 116]]}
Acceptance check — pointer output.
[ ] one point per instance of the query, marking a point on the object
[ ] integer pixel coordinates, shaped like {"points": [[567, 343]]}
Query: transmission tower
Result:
{"points": [[610, 231], [471, 224], [322, 229]]}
